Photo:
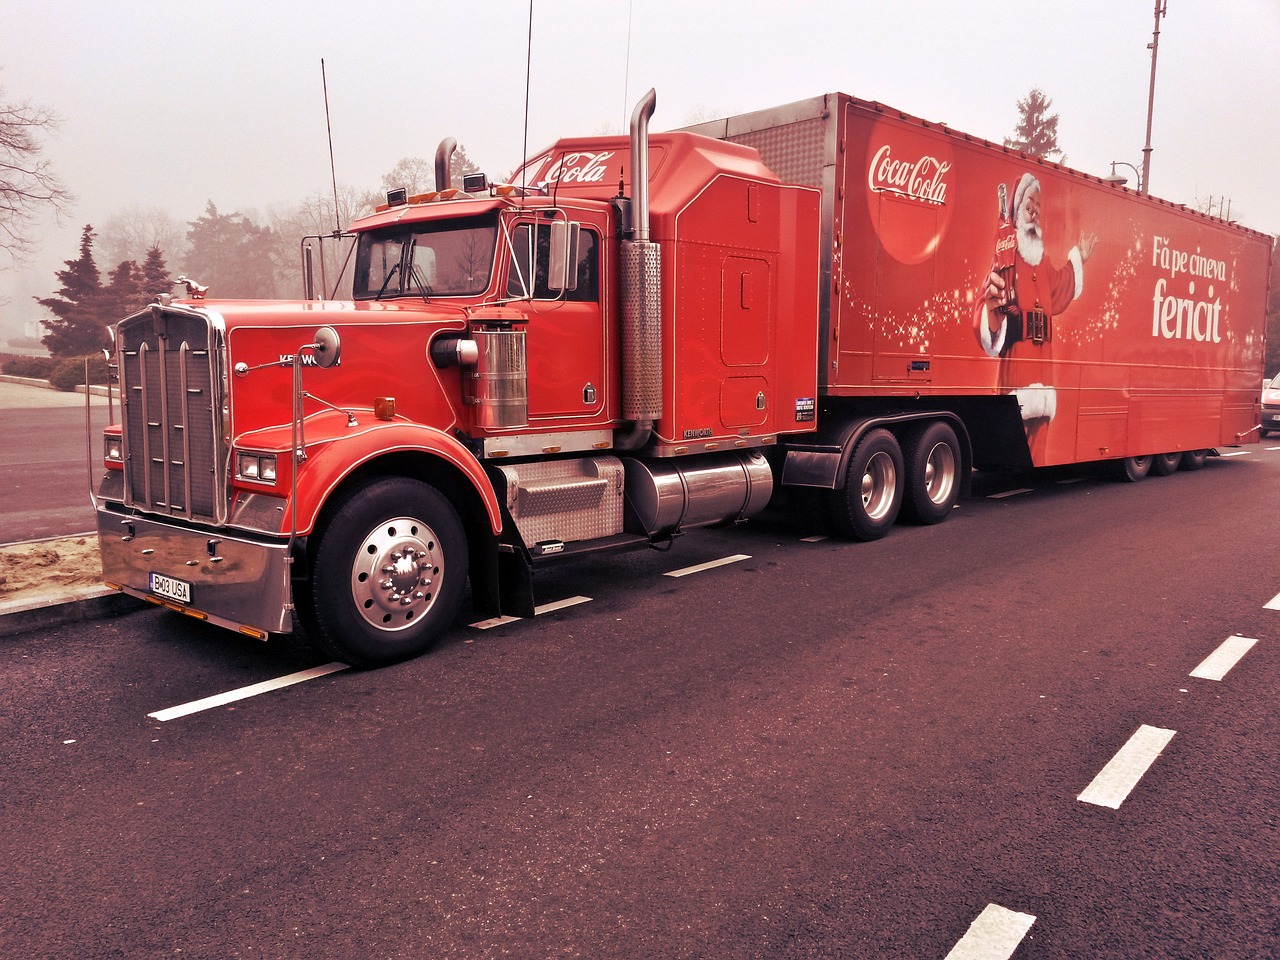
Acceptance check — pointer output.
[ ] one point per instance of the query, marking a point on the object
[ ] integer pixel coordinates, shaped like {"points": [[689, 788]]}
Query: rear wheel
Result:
{"points": [[1194, 459], [872, 496], [389, 573], [1163, 464], [1132, 469], [932, 459]]}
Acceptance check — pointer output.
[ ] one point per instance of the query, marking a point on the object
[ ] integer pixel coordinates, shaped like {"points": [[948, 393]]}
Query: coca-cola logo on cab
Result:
{"points": [[919, 178], [579, 168]]}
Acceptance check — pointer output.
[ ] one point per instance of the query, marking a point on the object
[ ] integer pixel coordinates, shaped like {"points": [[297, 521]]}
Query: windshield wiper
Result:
{"points": [[395, 268]]}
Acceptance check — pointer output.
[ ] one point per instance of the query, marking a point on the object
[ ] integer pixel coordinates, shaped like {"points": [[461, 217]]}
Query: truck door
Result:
{"points": [[566, 341]]}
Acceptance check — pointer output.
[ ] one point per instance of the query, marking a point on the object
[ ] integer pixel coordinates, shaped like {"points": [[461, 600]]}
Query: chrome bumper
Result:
{"points": [[235, 582]]}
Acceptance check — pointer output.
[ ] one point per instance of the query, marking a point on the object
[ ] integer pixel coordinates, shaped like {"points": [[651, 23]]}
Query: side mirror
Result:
{"points": [[327, 347], [562, 266]]}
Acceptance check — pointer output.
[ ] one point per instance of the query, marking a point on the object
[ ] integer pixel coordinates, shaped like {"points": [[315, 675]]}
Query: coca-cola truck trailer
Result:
{"points": [[640, 335]]}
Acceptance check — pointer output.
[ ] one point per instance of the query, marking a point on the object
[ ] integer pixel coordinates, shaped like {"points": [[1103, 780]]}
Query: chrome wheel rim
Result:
{"points": [[940, 473], [396, 574], [879, 484]]}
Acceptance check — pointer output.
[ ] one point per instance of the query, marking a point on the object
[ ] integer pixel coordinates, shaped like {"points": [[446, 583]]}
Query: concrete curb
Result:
{"points": [[76, 606], [97, 391]]}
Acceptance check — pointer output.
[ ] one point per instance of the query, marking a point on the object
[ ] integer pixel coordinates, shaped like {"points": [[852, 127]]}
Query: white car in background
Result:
{"points": [[1271, 406]]}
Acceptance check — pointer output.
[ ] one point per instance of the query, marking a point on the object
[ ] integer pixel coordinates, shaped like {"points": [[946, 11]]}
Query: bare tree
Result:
{"points": [[27, 183], [128, 234]]}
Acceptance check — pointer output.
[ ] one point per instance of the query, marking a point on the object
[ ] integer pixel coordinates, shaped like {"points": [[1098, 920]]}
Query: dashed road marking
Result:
{"points": [[1236, 453], [1273, 604], [231, 696], [1009, 493], [1118, 778], [710, 565], [994, 935], [1228, 654], [814, 539], [537, 612]]}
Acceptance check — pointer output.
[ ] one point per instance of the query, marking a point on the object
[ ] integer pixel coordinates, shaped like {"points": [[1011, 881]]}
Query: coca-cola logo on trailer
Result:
{"points": [[908, 178], [921, 178]]}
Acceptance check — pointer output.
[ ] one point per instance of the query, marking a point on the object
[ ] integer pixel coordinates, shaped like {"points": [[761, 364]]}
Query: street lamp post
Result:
{"points": [[1144, 180], [1121, 179]]}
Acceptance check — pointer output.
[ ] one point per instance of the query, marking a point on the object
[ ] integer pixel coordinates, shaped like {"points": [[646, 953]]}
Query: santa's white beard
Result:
{"points": [[1030, 244]]}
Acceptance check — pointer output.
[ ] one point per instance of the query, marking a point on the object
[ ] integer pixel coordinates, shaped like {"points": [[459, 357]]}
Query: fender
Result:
{"points": [[331, 461]]}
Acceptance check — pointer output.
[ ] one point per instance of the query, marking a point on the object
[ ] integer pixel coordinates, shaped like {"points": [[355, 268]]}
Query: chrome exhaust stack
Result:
{"points": [[641, 270], [444, 157]]}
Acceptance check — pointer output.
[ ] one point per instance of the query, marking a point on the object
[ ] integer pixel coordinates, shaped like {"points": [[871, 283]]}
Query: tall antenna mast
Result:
{"points": [[626, 70], [333, 170], [528, 70]]}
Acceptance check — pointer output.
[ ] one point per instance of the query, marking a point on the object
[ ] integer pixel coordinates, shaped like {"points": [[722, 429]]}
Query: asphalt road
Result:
{"points": [[44, 476], [820, 749]]}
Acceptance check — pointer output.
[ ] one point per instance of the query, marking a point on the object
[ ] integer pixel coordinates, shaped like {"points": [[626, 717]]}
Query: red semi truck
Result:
{"points": [[643, 334]]}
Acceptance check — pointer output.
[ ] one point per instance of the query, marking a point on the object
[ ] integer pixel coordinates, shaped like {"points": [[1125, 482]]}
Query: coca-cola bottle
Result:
{"points": [[1006, 243]]}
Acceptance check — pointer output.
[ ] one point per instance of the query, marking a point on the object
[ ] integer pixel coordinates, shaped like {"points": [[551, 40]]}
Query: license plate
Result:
{"points": [[170, 588]]}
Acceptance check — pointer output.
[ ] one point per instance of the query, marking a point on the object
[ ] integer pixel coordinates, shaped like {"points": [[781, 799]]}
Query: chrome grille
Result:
{"points": [[169, 388]]}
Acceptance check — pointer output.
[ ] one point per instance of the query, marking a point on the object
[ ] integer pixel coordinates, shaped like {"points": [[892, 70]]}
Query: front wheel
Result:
{"points": [[932, 459], [868, 505], [389, 573]]}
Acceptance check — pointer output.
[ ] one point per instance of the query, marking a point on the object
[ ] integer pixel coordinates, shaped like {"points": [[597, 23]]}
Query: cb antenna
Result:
{"points": [[528, 71], [333, 170]]}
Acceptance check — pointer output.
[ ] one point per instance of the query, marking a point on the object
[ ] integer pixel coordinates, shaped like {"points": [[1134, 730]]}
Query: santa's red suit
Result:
{"points": [[1023, 339]]}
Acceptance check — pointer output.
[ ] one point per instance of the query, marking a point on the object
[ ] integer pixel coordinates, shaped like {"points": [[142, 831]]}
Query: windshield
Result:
{"points": [[443, 258]]}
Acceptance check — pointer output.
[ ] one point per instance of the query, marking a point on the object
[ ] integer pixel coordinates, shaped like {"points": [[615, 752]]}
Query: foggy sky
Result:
{"points": [[172, 104]]}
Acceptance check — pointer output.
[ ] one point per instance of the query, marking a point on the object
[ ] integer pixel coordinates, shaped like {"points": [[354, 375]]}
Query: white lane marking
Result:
{"points": [[1068, 480], [1110, 787], [537, 612], [814, 539], [1274, 603], [994, 935], [1009, 493], [1236, 453], [710, 565], [231, 696], [1216, 665], [1272, 448]]}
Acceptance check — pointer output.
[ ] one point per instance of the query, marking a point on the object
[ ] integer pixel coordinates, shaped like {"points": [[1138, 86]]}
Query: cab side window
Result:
{"points": [[587, 267]]}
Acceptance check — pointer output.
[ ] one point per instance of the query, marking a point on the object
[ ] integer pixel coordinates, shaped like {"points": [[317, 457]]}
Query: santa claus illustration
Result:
{"points": [[1023, 296]]}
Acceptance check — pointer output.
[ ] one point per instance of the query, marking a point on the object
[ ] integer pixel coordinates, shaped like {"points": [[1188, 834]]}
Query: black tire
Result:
{"points": [[1194, 459], [868, 505], [1132, 469], [1164, 464], [389, 573], [932, 460]]}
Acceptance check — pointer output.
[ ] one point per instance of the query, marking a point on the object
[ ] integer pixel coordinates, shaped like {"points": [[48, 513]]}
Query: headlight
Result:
{"points": [[113, 448], [256, 466]]}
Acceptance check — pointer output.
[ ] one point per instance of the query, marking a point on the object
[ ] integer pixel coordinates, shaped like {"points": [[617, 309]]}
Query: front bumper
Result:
{"points": [[232, 580]]}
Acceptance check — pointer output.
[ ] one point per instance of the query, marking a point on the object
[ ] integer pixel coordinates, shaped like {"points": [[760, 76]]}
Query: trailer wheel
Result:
{"points": [[1194, 459], [868, 505], [1132, 469], [389, 573], [932, 458], [1164, 464]]}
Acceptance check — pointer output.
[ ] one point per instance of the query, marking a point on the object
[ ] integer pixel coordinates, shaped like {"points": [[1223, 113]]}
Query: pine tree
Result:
{"points": [[1037, 131], [155, 276], [123, 293], [78, 325], [231, 255]]}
